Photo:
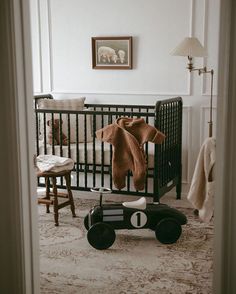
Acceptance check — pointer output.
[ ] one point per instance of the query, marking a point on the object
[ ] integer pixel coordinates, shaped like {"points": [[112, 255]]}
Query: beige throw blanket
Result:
{"points": [[202, 187]]}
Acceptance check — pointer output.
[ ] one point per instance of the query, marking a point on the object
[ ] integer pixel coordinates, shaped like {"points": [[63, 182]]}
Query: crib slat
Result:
{"points": [[147, 159], [53, 134], [167, 109], [173, 163], [85, 152], [163, 147], [173, 149], [129, 173], [77, 149], [60, 131], [128, 181], [167, 145], [132, 110], [37, 132], [179, 148], [170, 122], [102, 155], [94, 154], [158, 154], [171, 168], [44, 134], [68, 133], [110, 171], [60, 143]]}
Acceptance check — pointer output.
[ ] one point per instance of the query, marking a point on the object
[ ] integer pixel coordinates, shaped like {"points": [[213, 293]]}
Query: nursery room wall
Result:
{"points": [[62, 57]]}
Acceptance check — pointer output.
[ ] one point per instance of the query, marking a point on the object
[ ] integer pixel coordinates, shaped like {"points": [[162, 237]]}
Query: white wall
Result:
{"points": [[62, 31]]}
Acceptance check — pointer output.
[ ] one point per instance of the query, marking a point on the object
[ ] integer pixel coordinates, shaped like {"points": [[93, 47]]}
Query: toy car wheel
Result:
{"points": [[101, 236], [86, 222], [168, 231]]}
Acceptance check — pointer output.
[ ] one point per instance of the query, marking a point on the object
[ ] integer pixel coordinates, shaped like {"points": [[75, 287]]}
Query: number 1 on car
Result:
{"points": [[138, 219]]}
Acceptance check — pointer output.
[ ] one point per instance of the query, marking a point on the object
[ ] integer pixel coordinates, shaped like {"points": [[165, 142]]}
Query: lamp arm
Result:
{"points": [[204, 70], [201, 70]]}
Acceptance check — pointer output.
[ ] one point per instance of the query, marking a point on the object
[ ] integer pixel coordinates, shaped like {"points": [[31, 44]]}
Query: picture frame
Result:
{"points": [[112, 52]]}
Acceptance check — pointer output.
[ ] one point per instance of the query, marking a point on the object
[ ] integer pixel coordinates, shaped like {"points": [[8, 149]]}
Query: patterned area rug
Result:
{"points": [[136, 263]]}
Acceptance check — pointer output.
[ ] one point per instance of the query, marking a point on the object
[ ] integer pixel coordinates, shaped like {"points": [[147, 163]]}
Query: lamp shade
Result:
{"points": [[190, 47]]}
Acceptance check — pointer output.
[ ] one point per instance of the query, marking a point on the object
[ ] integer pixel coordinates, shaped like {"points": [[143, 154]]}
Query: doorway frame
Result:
{"points": [[17, 92], [225, 202], [19, 245]]}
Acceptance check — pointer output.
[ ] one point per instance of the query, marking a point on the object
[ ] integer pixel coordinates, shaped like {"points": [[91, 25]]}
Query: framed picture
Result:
{"points": [[112, 52]]}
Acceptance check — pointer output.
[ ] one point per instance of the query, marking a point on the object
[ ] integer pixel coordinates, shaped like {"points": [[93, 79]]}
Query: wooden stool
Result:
{"points": [[54, 194]]}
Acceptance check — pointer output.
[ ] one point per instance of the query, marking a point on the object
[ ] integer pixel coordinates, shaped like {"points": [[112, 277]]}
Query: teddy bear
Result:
{"points": [[55, 127]]}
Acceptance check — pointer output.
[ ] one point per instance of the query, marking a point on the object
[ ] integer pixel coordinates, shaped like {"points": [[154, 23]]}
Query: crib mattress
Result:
{"points": [[88, 154]]}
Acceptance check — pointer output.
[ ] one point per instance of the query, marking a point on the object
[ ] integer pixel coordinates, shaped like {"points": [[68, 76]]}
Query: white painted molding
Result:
{"points": [[39, 69], [205, 27], [186, 166], [50, 45], [155, 93], [205, 44], [188, 109], [40, 47], [44, 45], [139, 93], [51, 88]]}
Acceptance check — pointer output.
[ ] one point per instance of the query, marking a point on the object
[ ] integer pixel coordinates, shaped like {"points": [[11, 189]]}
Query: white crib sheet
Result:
{"points": [[88, 149]]}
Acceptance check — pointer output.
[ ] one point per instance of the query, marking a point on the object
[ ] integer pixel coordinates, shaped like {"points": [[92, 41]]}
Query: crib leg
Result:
{"points": [[179, 183], [47, 183], [178, 191]]}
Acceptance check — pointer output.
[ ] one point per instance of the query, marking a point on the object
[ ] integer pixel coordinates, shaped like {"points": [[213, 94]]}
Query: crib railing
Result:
{"points": [[93, 159]]}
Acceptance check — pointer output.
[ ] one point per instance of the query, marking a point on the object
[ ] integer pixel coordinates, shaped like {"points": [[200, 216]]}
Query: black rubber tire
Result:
{"points": [[86, 222], [168, 230], [101, 236]]}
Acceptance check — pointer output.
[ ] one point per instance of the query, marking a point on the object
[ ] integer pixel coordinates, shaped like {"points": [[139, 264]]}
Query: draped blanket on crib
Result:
{"points": [[202, 187]]}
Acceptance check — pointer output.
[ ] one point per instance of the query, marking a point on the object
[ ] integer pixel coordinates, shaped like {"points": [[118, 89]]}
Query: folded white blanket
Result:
{"points": [[54, 163]]}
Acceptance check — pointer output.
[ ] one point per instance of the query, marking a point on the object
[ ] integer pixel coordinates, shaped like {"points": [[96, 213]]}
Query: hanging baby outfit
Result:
{"points": [[128, 135]]}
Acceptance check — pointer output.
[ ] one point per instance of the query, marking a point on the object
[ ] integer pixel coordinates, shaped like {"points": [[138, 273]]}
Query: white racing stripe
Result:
{"points": [[113, 212], [113, 218]]}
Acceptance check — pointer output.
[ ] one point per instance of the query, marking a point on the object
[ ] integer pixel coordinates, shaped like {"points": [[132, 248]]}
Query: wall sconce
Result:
{"points": [[191, 47]]}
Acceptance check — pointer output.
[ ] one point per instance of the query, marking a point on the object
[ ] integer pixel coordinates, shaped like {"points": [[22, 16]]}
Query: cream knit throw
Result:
{"points": [[201, 193]]}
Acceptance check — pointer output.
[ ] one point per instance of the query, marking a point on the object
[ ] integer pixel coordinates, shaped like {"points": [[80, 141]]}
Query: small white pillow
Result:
{"points": [[66, 104]]}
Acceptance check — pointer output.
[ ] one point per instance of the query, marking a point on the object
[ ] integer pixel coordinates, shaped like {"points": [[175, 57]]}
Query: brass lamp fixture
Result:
{"points": [[191, 47]]}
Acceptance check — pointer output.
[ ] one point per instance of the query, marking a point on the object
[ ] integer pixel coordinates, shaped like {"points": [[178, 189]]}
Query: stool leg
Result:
{"points": [[47, 193], [70, 196], [55, 201]]}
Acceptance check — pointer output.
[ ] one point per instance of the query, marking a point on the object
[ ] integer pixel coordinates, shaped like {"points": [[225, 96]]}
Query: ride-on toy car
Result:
{"points": [[103, 219]]}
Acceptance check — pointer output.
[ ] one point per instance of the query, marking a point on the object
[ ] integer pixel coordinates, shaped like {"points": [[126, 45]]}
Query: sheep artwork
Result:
{"points": [[121, 54], [107, 54]]}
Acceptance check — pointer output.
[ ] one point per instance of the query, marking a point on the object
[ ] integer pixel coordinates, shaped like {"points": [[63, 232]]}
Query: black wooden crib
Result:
{"points": [[93, 158]]}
